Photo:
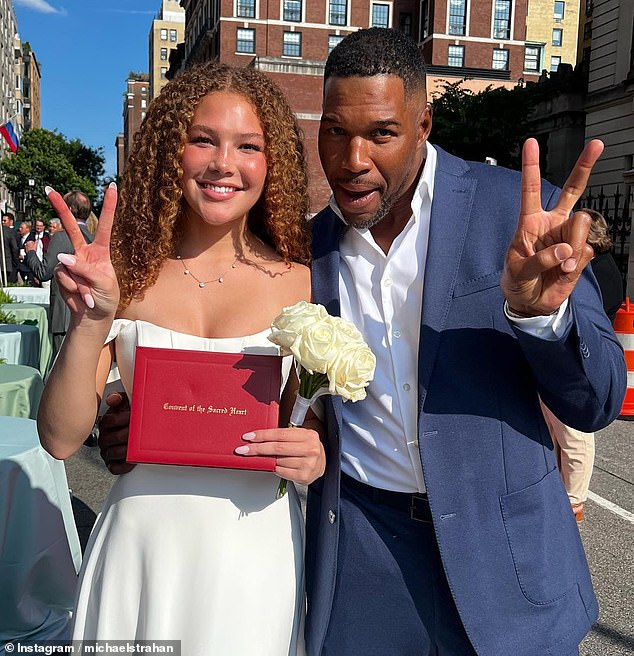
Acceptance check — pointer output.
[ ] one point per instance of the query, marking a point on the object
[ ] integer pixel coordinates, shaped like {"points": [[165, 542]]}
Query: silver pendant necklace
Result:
{"points": [[202, 283]]}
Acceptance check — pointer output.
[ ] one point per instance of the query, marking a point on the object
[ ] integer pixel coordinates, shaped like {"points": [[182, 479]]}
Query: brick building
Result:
{"points": [[135, 102], [290, 41]]}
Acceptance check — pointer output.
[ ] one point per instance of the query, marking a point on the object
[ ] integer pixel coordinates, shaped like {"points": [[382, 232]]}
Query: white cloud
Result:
{"points": [[41, 6]]}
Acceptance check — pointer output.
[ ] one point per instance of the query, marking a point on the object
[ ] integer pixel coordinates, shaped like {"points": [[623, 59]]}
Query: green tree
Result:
{"points": [[48, 158], [491, 123]]}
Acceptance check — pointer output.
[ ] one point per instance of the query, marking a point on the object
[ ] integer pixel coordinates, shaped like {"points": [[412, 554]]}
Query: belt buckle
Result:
{"points": [[419, 510]]}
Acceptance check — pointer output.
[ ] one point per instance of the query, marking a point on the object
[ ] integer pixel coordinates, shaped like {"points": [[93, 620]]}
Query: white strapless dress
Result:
{"points": [[206, 556]]}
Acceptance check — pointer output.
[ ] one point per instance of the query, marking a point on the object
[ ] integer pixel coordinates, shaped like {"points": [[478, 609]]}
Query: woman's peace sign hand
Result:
{"points": [[549, 249], [87, 280]]}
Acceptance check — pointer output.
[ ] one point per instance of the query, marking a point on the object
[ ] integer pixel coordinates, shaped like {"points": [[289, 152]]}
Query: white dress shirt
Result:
{"points": [[382, 295]]}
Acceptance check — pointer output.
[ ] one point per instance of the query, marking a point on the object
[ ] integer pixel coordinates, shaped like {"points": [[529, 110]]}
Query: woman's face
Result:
{"points": [[224, 166]]}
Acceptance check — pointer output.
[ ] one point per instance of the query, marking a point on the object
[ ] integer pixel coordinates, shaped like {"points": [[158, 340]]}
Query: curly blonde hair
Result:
{"points": [[149, 218], [599, 235]]}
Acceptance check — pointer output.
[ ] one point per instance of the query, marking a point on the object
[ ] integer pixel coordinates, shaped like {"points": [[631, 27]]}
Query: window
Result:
{"points": [[559, 10], [589, 7], [163, 35], [457, 17], [502, 19], [245, 40], [455, 56], [143, 103], [338, 12], [292, 44], [558, 35], [163, 72], [173, 36], [333, 40], [554, 62], [533, 58], [293, 10], [587, 31], [163, 54], [424, 19], [245, 9], [405, 23], [380, 15], [500, 59]]}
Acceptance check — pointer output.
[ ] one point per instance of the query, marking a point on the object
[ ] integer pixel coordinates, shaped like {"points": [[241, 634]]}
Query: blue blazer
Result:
{"points": [[507, 536]]}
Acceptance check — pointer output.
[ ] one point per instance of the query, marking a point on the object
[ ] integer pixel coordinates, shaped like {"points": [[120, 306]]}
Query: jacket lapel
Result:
{"points": [[325, 276], [451, 210]]}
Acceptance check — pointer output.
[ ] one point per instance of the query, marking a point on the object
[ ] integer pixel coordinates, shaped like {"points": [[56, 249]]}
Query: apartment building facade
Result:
{"points": [[10, 108], [610, 114], [135, 103], [31, 82], [552, 32], [166, 33]]}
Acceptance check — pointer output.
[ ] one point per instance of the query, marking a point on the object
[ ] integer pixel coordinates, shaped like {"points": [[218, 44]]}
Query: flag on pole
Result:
{"points": [[10, 136]]}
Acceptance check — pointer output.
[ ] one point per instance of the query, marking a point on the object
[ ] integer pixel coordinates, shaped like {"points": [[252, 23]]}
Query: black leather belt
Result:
{"points": [[416, 505]]}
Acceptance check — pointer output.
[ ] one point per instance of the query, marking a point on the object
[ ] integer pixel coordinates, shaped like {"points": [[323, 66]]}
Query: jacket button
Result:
{"points": [[331, 516]]}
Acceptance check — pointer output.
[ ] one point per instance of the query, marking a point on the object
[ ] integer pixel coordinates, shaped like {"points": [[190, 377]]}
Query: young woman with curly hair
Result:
{"points": [[208, 244]]}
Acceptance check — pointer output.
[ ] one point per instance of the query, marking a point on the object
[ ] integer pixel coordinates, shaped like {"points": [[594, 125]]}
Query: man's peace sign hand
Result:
{"points": [[549, 249], [87, 279]]}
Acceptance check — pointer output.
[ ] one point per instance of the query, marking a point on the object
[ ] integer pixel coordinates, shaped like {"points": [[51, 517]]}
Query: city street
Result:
{"points": [[607, 532]]}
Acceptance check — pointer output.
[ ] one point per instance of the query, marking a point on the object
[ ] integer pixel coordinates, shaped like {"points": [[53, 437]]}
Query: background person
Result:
{"points": [[59, 314], [574, 448]]}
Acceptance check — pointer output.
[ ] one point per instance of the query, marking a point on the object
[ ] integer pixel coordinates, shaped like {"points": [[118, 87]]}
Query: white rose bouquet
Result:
{"points": [[330, 353]]}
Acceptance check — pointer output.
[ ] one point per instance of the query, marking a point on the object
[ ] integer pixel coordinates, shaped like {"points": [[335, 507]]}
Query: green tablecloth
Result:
{"points": [[20, 391], [20, 345], [39, 547], [24, 311]]}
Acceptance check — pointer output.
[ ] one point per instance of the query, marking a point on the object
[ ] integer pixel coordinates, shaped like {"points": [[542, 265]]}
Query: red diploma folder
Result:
{"points": [[192, 407]]}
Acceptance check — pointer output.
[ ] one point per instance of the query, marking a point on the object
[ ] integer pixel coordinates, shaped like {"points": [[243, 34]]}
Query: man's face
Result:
{"points": [[5, 221], [23, 229], [371, 144], [39, 227]]}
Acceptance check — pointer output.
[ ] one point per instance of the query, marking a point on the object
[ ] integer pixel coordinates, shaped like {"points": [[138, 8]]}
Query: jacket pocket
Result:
{"points": [[543, 539], [478, 284]]}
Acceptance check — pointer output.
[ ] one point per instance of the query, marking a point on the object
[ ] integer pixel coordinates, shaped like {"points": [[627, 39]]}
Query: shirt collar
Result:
{"points": [[424, 188]]}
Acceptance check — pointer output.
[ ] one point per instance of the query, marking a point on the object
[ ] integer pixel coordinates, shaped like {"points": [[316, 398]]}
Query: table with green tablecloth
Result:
{"points": [[21, 388], [32, 312], [20, 344], [39, 548]]}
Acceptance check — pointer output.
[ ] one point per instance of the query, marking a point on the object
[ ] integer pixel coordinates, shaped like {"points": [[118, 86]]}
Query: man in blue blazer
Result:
{"points": [[441, 525]]}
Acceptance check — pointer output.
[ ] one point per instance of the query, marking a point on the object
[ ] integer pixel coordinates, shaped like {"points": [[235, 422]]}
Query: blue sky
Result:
{"points": [[86, 48]]}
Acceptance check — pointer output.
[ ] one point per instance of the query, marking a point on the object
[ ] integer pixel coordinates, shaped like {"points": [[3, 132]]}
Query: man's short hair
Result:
{"points": [[599, 236], [79, 204], [9, 216], [378, 51]]}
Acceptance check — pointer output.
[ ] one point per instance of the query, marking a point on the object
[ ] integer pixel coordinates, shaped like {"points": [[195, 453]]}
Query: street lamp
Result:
{"points": [[30, 198]]}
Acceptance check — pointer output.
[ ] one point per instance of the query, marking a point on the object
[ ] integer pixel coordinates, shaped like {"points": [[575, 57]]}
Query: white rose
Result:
{"points": [[290, 323], [351, 371], [318, 345], [348, 329]]}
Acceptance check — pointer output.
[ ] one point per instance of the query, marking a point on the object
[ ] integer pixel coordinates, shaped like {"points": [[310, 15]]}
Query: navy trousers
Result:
{"points": [[392, 597]]}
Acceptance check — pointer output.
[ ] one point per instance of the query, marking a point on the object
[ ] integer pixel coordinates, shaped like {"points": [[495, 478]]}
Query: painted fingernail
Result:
{"points": [[560, 253], [67, 259], [47, 190], [242, 450], [89, 301], [112, 185], [248, 436]]}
